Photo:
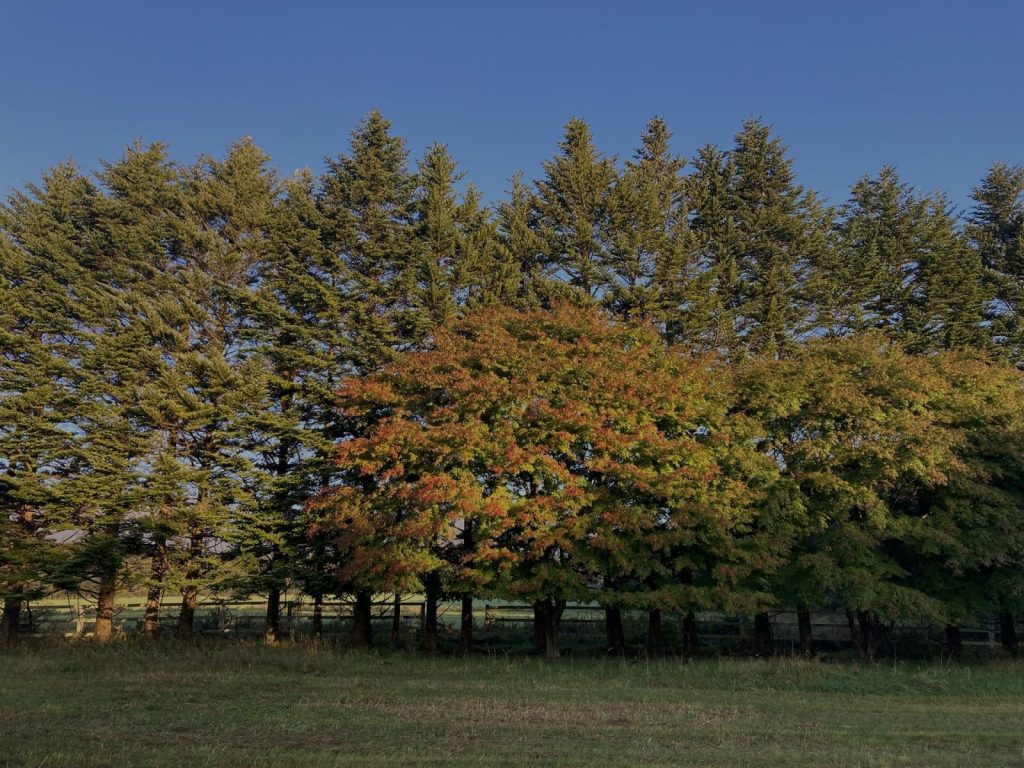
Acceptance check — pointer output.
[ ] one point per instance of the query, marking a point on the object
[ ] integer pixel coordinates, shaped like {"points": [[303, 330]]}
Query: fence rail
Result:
{"points": [[247, 617]]}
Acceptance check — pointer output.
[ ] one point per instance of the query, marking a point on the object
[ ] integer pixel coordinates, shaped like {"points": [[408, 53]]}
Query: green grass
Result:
{"points": [[227, 704]]}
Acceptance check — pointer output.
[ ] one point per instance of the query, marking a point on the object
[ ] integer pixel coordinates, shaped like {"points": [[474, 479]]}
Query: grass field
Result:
{"points": [[226, 704]]}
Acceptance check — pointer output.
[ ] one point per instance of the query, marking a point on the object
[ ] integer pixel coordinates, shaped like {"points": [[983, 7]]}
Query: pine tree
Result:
{"points": [[102, 320], [136, 319], [777, 229], [950, 296], [902, 266], [651, 261], [485, 276], [218, 379], [714, 300], [42, 232], [996, 233], [367, 203], [571, 212], [528, 276], [297, 315]]}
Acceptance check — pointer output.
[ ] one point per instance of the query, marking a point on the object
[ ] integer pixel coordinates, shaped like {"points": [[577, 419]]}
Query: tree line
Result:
{"points": [[662, 384]]}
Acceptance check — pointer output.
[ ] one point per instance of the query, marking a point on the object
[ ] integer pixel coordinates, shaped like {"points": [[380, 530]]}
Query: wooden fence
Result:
{"points": [[243, 618]]}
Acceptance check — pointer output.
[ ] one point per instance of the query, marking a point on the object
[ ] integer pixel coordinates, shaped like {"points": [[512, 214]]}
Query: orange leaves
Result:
{"points": [[555, 436]]}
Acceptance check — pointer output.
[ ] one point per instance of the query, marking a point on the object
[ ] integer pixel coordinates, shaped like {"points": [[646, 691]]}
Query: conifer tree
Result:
{"points": [[777, 229], [487, 275], [136, 321], [713, 320], [296, 322], [437, 235], [903, 267], [40, 241], [140, 218], [529, 273], [572, 203], [367, 204], [951, 296], [218, 381], [880, 234], [996, 233], [652, 266], [458, 250]]}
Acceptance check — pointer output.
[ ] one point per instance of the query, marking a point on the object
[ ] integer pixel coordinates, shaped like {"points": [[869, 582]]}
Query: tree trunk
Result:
{"points": [[873, 637], [851, 621], [432, 587], [552, 620], [803, 620], [362, 633], [1008, 632], [272, 633], [764, 644], [187, 615], [154, 596], [867, 639], [9, 622], [466, 626], [616, 643], [691, 643], [954, 642], [103, 630], [539, 618], [318, 616], [655, 636], [396, 622]]}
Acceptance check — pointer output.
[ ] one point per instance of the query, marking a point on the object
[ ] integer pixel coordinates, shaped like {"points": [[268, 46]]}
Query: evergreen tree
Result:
{"points": [[486, 274], [652, 265], [218, 380], [294, 325], [950, 297], [40, 236], [713, 320], [367, 204], [572, 203], [777, 229], [903, 267], [528, 275], [880, 234], [460, 263], [122, 492], [996, 232]]}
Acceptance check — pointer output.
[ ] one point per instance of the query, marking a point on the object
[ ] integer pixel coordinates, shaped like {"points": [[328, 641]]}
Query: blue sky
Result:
{"points": [[932, 87]]}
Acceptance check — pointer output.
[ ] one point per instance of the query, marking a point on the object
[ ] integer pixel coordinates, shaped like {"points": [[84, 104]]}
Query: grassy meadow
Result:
{"points": [[235, 704]]}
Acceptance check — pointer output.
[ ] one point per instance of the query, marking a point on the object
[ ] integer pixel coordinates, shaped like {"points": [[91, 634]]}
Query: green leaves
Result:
{"points": [[673, 386]]}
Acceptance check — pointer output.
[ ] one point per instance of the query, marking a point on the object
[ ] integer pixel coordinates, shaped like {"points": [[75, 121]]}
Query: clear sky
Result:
{"points": [[934, 87]]}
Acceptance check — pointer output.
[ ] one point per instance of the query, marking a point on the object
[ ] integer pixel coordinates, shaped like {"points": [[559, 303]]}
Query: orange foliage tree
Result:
{"points": [[547, 456]]}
